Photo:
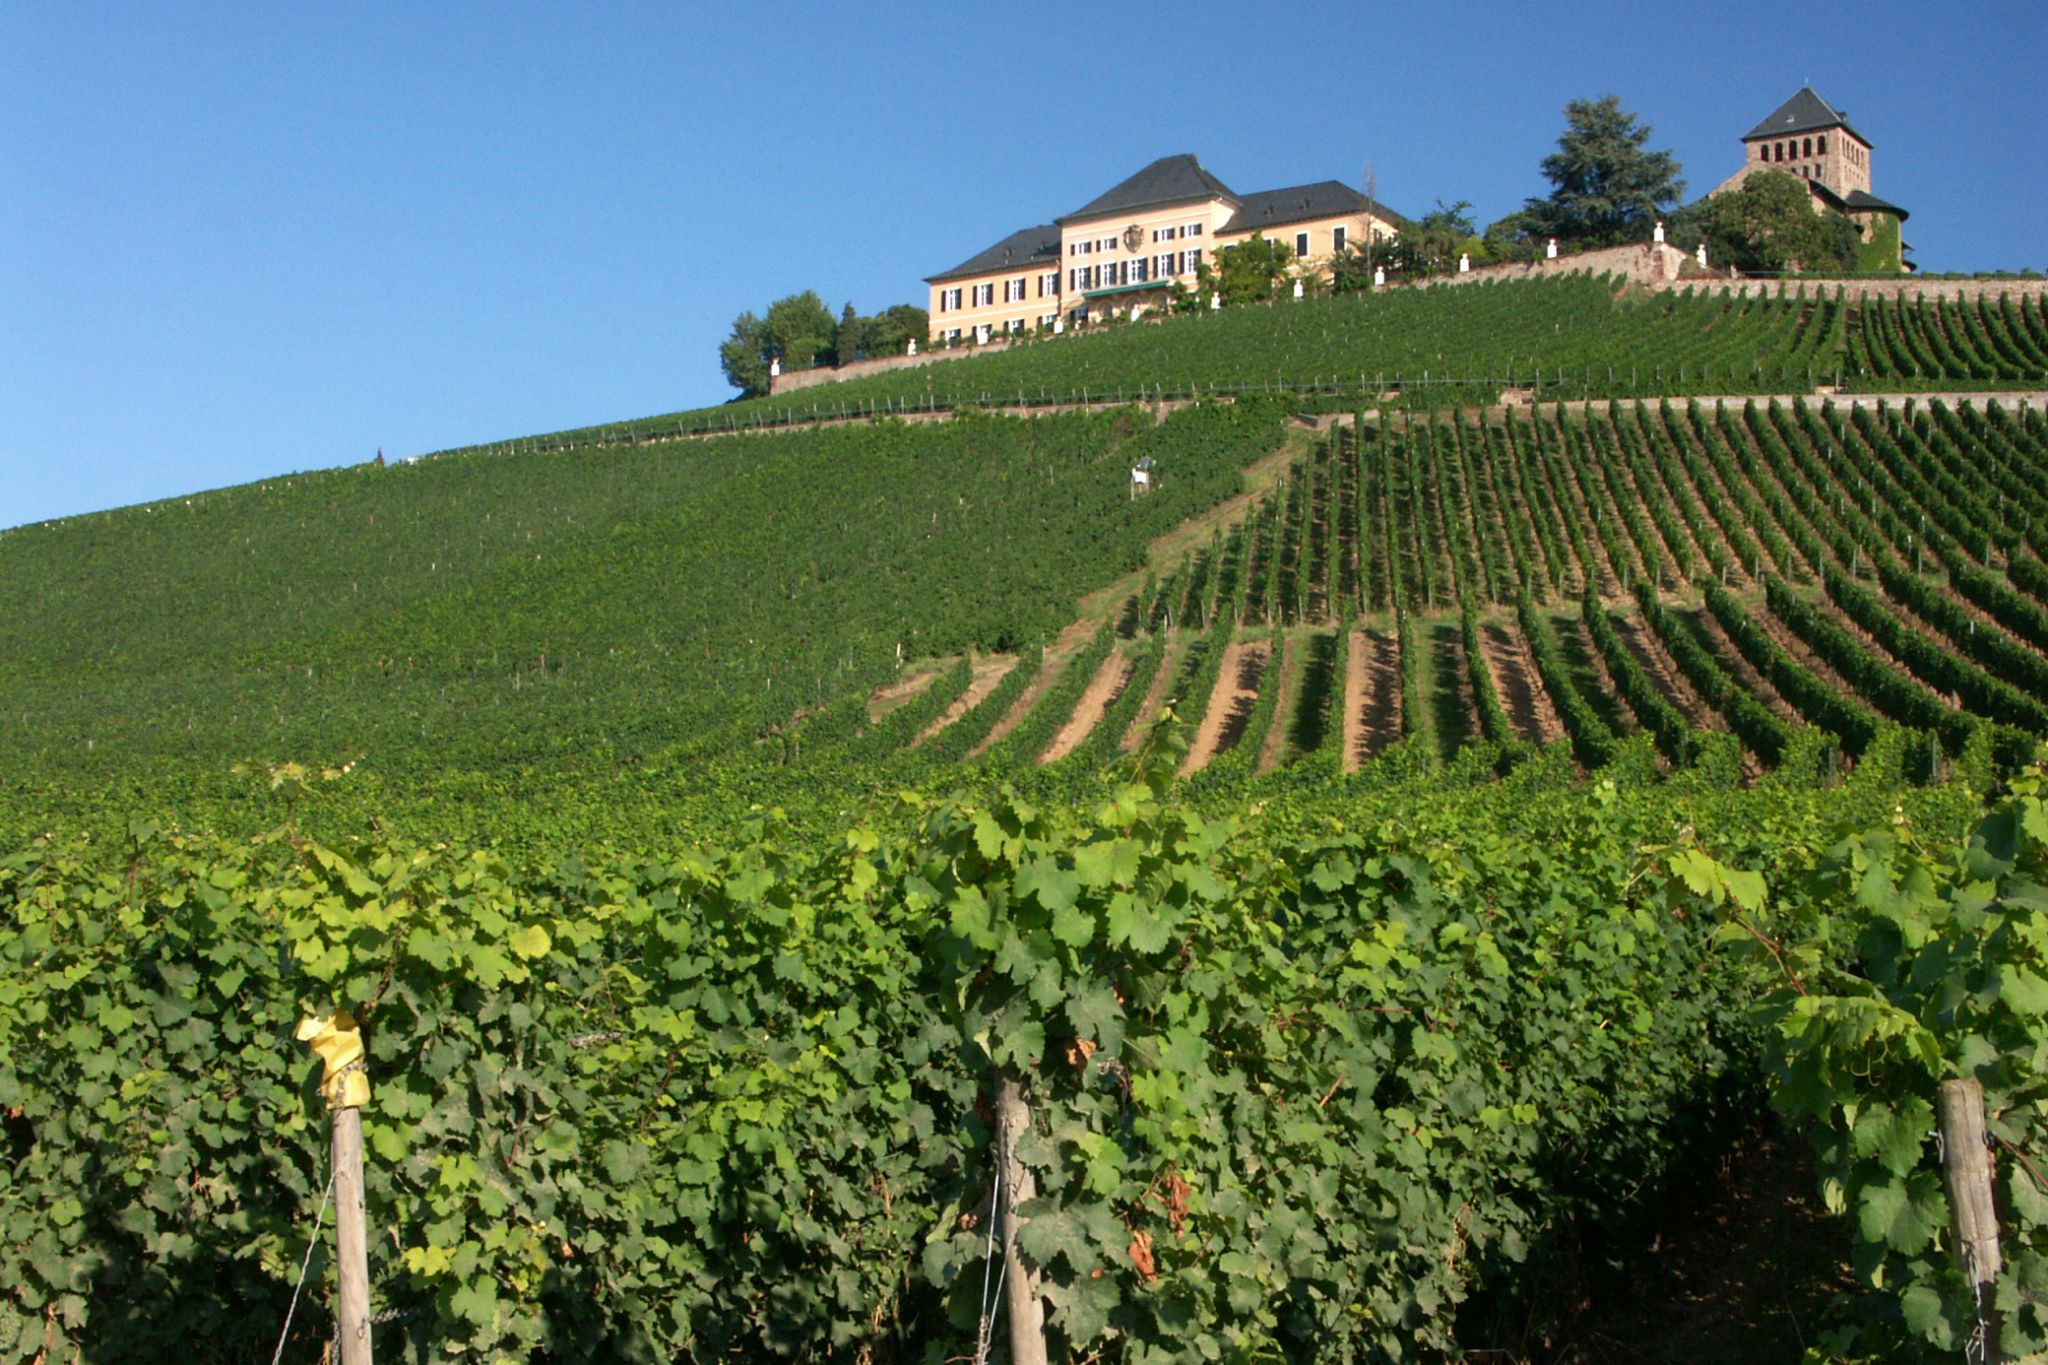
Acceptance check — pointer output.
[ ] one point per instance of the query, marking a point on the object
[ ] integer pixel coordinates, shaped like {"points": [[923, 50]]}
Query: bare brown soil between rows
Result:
{"points": [[1275, 747], [1664, 675], [1730, 658], [1230, 703], [1054, 662], [890, 696], [984, 674], [1372, 696], [1521, 692], [1171, 651], [1103, 689]]}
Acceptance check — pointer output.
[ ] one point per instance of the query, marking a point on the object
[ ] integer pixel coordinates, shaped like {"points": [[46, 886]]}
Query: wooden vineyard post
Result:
{"points": [[1966, 1170], [345, 1085], [1026, 1314], [352, 1260]]}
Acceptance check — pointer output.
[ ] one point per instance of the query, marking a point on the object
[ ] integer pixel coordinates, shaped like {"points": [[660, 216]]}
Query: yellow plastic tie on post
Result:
{"points": [[335, 1039]]}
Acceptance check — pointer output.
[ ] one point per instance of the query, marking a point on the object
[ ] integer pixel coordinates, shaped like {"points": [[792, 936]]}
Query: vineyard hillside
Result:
{"points": [[858, 882]]}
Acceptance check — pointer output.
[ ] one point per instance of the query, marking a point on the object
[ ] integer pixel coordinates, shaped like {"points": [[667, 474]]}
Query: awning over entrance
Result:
{"points": [[1160, 285]]}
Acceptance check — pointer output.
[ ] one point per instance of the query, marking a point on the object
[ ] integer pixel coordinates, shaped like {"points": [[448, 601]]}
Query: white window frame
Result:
{"points": [[949, 300], [984, 294]]}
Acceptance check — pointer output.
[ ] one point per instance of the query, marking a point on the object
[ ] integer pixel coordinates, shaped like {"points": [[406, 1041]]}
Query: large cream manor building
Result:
{"points": [[1128, 247]]}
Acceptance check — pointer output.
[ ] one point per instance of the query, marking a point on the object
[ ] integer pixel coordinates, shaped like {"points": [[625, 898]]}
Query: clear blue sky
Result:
{"points": [[240, 239]]}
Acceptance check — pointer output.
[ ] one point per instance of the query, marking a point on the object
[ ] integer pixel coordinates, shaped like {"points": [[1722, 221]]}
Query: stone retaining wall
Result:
{"points": [[793, 380]]}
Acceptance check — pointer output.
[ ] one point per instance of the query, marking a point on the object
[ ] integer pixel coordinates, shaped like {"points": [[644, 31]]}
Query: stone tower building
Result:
{"points": [[1807, 138]]}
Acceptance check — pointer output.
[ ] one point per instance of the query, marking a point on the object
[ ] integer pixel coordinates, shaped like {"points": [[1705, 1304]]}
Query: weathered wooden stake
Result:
{"points": [[352, 1261], [1966, 1169], [1026, 1313]]}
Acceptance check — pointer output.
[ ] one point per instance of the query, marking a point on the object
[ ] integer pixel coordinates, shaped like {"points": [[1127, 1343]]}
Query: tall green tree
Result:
{"points": [[1768, 225], [1607, 186], [1247, 272], [799, 329], [743, 355], [1432, 243], [887, 332], [846, 342]]}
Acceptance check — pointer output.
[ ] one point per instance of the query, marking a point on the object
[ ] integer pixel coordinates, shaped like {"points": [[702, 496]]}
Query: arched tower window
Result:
{"points": [[1809, 148], [1820, 144]]}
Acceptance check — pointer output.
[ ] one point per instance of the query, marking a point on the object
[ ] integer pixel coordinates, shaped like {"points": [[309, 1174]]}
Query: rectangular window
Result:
{"points": [[1194, 260], [1301, 245], [1014, 325], [1138, 271], [1045, 321], [952, 334], [1337, 237], [1193, 230], [1109, 244], [949, 300], [984, 294], [1049, 284]]}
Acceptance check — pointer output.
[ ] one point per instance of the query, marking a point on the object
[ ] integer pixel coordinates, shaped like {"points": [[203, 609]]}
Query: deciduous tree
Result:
{"points": [[1246, 272], [1768, 225]]}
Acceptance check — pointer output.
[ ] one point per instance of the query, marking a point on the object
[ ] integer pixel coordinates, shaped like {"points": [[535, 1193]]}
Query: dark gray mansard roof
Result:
{"points": [[1031, 247], [1805, 112], [1855, 201], [1864, 202], [1169, 180], [1299, 203]]}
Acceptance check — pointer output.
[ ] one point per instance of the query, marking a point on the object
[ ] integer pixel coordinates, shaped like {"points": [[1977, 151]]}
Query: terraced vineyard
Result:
{"points": [[1726, 581], [1573, 337]]}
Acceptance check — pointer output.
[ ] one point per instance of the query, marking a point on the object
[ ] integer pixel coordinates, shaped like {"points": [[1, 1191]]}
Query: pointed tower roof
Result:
{"points": [[1805, 112], [1169, 180]]}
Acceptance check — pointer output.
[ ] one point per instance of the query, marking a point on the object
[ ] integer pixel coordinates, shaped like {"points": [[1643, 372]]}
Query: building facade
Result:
{"points": [[1125, 250], [1812, 141]]}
